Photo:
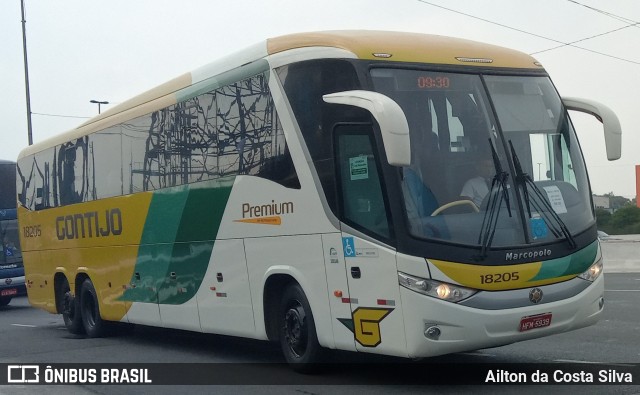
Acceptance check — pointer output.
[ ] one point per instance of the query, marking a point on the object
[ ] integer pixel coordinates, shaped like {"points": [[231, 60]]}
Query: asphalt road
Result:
{"points": [[28, 335]]}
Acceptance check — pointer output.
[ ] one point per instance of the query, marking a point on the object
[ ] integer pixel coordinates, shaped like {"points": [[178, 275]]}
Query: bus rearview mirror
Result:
{"points": [[610, 122], [390, 117]]}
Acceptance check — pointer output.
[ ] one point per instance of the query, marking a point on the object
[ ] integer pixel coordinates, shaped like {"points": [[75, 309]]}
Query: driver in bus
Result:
{"points": [[477, 188]]}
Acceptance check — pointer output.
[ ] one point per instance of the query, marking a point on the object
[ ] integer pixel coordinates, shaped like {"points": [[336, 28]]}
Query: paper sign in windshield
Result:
{"points": [[556, 199], [359, 168]]}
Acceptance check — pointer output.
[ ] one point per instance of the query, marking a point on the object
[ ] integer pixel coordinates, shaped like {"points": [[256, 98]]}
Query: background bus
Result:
{"points": [[11, 267], [308, 189]]}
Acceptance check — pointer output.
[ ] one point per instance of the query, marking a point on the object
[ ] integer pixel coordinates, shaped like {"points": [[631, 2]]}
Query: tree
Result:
{"points": [[626, 220], [603, 217], [616, 202]]}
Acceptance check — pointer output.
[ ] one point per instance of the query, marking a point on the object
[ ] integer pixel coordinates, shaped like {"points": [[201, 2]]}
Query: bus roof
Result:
{"points": [[407, 47], [363, 44]]}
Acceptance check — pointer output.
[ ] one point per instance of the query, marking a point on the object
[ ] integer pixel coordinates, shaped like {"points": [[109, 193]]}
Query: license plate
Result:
{"points": [[535, 321], [8, 292]]}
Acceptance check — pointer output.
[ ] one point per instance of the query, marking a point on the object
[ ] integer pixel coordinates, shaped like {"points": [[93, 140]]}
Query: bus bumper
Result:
{"points": [[12, 286], [435, 327]]}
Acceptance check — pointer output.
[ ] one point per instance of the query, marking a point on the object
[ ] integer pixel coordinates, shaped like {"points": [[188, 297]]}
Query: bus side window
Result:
{"points": [[361, 197]]}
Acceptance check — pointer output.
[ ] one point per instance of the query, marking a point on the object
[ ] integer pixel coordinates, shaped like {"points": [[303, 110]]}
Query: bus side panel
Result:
{"points": [[224, 299], [39, 292], [105, 266], [110, 265], [144, 313], [270, 218], [175, 251], [376, 308], [339, 297], [182, 316], [99, 238], [109, 268], [300, 257]]}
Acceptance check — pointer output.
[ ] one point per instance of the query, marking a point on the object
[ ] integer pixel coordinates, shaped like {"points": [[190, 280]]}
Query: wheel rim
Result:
{"points": [[295, 329]]}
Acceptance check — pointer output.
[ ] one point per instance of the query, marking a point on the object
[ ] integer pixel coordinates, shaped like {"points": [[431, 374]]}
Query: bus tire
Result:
{"points": [[94, 325], [70, 310], [297, 331]]}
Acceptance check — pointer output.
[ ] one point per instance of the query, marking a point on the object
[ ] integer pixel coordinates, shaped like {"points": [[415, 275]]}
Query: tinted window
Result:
{"points": [[362, 200], [229, 131], [7, 185], [304, 84]]}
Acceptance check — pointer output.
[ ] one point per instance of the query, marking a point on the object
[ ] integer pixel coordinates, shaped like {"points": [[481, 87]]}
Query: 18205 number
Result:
{"points": [[32, 231], [499, 277]]}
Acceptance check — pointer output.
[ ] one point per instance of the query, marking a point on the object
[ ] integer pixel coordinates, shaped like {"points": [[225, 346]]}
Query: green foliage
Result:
{"points": [[603, 218], [617, 202], [625, 220]]}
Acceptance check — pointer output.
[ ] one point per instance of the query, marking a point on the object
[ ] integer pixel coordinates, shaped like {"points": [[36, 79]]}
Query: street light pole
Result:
{"points": [[98, 102], [26, 75]]}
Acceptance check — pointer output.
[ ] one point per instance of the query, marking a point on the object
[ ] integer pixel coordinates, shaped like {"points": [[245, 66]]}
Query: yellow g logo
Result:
{"points": [[365, 325]]}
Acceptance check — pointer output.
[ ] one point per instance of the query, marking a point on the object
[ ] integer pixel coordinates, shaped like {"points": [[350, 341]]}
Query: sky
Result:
{"points": [[82, 50]]}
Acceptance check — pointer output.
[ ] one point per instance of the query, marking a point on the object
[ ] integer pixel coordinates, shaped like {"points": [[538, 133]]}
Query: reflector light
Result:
{"points": [[385, 302], [474, 60]]}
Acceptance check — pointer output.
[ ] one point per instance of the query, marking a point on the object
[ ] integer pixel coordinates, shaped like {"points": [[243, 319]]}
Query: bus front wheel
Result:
{"points": [[298, 338], [70, 310], [94, 325]]}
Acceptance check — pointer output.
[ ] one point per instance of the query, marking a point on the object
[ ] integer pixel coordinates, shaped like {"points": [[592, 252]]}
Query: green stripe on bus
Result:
{"points": [[195, 238], [156, 244], [178, 237], [575, 263]]}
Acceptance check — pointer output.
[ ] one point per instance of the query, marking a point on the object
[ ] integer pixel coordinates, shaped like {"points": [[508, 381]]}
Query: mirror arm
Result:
{"points": [[610, 122], [390, 117]]}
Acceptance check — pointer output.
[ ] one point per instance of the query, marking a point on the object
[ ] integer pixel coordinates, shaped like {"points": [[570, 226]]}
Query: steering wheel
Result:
{"points": [[455, 203]]}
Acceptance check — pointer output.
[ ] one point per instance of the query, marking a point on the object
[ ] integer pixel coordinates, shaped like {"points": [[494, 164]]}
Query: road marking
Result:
{"points": [[592, 362], [622, 290], [26, 326]]}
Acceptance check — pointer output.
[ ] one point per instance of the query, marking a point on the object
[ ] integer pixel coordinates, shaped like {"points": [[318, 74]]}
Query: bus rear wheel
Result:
{"points": [[70, 310], [298, 338], [94, 325]]}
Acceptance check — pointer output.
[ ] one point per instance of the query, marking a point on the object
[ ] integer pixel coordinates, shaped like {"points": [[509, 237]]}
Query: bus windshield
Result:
{"points": [[10, 253], [490, 155]]}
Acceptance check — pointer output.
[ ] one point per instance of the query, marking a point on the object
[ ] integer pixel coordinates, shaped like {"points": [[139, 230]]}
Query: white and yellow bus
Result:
{"points": [[313, 190]]}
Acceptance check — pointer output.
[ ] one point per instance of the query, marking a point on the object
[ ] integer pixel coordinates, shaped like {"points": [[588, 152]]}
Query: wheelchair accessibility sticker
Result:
{"points": [[349, 247]]}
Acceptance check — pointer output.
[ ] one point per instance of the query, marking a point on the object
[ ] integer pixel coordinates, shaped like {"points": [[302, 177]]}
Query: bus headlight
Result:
{"points": [[593, 272], [436, 289]]}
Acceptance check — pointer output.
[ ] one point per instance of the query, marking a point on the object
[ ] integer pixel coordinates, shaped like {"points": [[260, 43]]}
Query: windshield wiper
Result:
{"points": [[490, 220], [544, 207]]}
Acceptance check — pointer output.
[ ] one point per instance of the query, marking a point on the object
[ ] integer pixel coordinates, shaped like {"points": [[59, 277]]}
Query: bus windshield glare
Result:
{"points": [[457, 122]]}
